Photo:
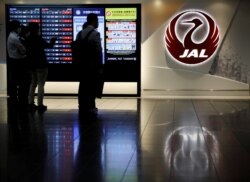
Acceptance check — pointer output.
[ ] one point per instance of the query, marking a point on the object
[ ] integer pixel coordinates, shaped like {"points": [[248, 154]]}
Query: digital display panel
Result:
{"points": [[24, 14], [119, 28], [121, 34], [61, 19]]}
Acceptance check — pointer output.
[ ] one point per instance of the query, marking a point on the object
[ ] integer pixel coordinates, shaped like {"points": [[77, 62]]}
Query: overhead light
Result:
{"points": [[158, 3]]}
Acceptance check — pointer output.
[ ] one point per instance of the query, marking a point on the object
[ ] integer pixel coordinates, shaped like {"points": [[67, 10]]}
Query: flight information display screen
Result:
{"points": [[57, 22], [24, 14], [120, 34], [119, 27]]}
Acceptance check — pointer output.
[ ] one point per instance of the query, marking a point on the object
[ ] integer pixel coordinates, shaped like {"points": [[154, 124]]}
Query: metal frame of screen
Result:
{"points": [[121, 48]]}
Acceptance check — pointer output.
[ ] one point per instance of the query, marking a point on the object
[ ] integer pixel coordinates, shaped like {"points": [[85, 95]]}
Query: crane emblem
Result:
{"points": [[199, 40]]}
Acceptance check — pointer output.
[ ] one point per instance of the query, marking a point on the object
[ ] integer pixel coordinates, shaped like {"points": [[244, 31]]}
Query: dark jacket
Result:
{"points": [[94, 42], [36, 53]]}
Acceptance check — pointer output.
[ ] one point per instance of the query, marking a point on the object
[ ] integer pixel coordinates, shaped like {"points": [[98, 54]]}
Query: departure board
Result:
{"points": [[25, 14], [119, 28], [58, 22]]}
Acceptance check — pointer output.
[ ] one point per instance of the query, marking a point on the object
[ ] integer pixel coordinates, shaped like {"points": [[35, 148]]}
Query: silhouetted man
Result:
{"points": [[18, 81], [91, 67]]}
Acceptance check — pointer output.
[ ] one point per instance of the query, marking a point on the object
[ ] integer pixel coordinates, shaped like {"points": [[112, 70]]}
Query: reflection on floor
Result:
{"points": [[130, 140]]}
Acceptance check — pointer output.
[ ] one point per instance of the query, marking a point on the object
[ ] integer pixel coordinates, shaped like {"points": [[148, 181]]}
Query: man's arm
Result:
{"points": [[98, 49]]}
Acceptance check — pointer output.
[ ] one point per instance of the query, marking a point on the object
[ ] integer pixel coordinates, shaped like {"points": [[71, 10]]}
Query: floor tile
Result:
{"points": [[130, 140]]}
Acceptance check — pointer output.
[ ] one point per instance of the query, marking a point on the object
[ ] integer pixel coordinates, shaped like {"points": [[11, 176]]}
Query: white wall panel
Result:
{"points": [[3, 78], [156, 72], [172, 79]]}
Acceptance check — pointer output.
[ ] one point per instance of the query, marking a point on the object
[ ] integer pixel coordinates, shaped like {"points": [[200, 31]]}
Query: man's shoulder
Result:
{"points": [[13, 38], [88, 29], [91, 32], [13, 35]]}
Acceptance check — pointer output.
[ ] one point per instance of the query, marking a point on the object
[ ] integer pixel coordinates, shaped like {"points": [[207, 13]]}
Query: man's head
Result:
{"points": [[33, 28], [15, 26], [92, 19]]}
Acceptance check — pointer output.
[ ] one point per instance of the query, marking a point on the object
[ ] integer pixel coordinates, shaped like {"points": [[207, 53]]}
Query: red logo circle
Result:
{"points": [[192, 37]]}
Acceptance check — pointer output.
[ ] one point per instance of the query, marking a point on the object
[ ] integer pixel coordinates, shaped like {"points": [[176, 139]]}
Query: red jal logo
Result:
{"points": [[192, 37]]}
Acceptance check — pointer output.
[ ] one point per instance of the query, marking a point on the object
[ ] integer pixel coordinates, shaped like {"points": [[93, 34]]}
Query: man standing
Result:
{"points": [[18, 76], [38, 64], [91, 67]]}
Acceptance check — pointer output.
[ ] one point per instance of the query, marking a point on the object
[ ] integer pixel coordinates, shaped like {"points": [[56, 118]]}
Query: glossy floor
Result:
{"points": [[148, 140]]}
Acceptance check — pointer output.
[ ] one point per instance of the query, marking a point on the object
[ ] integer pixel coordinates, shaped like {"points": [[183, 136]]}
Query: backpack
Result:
{"points": [[81, 49]]}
